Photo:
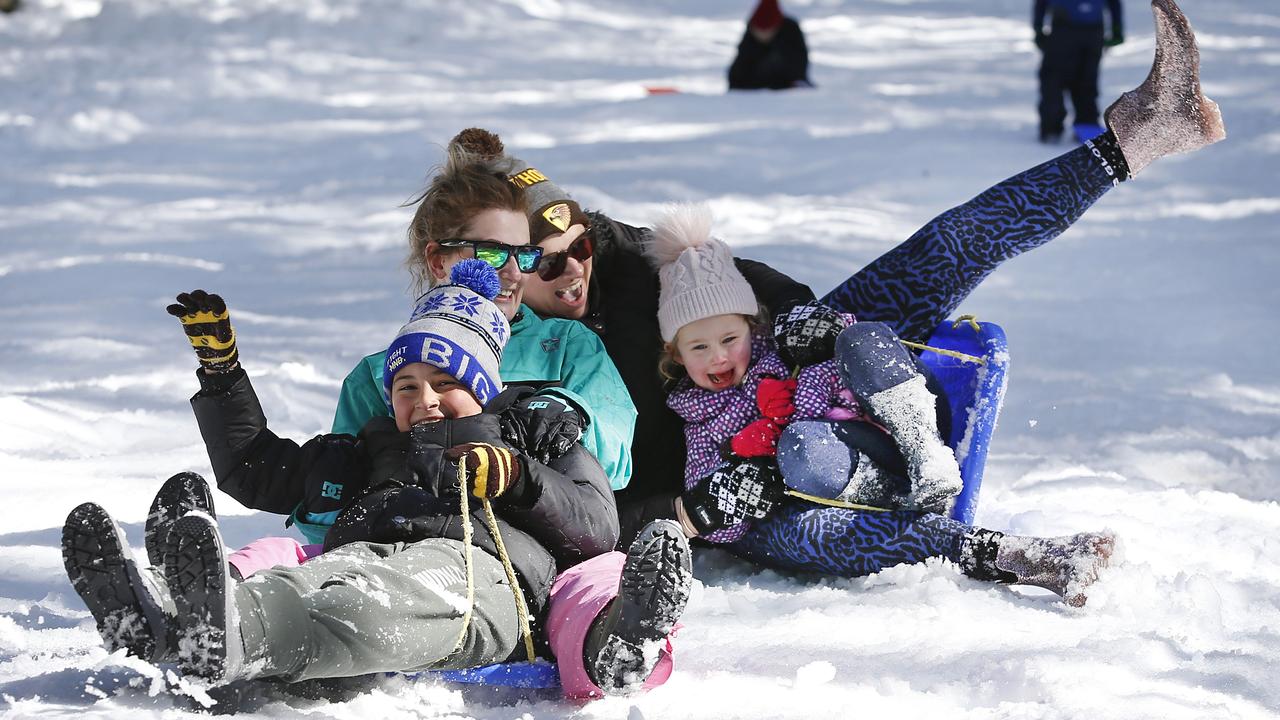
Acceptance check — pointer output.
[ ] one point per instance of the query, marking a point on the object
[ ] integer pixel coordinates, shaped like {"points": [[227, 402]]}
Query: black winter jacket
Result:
{"points": [[555, 516], [622, 304], [781, 63]]}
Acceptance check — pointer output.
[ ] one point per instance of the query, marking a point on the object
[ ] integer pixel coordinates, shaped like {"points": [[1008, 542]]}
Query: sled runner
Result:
{"points": [[970, 359]]}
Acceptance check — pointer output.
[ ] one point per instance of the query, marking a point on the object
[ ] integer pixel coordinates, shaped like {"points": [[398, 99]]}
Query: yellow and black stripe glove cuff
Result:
{"points": [[490, 470]]}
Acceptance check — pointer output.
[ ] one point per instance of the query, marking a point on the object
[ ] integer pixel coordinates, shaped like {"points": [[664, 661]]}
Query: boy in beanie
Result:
{"points": [[772, 54]]}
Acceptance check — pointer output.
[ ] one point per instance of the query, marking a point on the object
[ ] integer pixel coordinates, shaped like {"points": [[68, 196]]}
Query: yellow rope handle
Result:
{"points": [[943, 351], [466, 559], [971, 319], [522, 608], [834, 503]]}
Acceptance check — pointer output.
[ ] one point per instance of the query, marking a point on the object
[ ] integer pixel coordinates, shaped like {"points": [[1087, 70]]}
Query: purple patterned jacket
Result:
{"points": [[713, 416]]}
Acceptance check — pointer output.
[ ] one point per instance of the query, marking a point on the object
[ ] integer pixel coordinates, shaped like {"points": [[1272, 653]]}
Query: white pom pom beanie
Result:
{"points": [[698, 277]]}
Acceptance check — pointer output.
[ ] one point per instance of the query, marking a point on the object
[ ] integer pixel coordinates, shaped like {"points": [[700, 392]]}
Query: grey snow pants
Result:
{"points": [[367, 608]]}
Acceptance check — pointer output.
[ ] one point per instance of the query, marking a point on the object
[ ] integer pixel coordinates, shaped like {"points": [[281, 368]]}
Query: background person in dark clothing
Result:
{"points": [[772, 54], [1072, 51]]}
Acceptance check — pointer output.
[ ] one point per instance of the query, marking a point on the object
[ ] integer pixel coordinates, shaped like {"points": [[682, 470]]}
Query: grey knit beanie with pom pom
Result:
{"points": [[699, 279]]}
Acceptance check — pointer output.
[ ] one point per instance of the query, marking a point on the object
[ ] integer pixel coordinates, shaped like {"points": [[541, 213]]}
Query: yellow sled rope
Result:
{"points": [[522, 607]]}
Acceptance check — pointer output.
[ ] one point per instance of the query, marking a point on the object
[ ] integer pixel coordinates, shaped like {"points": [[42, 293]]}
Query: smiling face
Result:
{"points": [[565, 296], [715, 351], [505, 226], [423, 393]]}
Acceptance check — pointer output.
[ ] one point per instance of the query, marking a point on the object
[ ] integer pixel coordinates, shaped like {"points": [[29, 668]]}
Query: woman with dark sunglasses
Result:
{"points": [[911, 288]]}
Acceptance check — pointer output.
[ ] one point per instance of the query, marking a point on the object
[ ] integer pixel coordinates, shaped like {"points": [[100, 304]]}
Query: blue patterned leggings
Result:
{"points": [[912, 288]]}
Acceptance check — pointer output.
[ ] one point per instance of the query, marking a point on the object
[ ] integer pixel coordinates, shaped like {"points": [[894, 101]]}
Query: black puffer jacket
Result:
{"points": [[622, 307], [555, 516], [781, 63]]}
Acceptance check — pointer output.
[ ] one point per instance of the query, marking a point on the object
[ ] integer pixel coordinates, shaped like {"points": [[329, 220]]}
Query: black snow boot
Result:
{"points": [[183, 493], [195, 565], [625, 642], [131, 605]]}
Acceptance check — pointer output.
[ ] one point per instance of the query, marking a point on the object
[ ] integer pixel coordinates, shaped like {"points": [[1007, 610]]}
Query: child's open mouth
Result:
{"points": [[720, 380], [574, 294]]}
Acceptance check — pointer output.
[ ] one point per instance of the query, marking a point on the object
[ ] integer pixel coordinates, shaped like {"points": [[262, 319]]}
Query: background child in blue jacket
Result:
{"points": [[1072, 52]]}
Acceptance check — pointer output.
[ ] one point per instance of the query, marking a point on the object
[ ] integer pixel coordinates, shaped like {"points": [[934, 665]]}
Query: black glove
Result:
{"points": [[806, 334], [208, 325], [1041, 40], [543, 427], [746, 490]]}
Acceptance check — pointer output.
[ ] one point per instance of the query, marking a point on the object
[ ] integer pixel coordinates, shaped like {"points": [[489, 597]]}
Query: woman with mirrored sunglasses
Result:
{"points": [[498, 254]]}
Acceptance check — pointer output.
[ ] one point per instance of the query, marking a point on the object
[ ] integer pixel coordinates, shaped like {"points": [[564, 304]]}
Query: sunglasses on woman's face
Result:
{"points": [[552, 265], [497, 254]]}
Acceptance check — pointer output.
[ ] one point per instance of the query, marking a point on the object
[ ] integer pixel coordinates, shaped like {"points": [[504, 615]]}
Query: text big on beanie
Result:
{"points": [[457, 328]]}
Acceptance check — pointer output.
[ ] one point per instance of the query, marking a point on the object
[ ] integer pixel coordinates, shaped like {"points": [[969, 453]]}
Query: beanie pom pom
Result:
{"points": [[480, 143], [683, 226], [478, 276]]}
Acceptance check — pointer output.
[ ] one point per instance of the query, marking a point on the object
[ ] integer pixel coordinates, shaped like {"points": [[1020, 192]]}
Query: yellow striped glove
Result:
{"points": [[490, 470], [208, 325]]}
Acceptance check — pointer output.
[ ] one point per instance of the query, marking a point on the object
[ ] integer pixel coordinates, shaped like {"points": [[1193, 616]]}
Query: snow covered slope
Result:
{"points": [[263, 150]]}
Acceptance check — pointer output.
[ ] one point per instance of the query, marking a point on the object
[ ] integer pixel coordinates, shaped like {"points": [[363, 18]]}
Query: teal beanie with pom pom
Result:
{"points": [[457, 328]]}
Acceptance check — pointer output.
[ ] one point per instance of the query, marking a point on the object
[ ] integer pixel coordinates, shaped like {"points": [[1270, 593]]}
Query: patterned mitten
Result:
{"points": [[806, 334], [746, 490]]}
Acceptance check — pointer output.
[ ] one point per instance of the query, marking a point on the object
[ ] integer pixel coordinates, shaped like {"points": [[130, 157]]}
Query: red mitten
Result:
{"points": [[776, 399], [759, 439]]}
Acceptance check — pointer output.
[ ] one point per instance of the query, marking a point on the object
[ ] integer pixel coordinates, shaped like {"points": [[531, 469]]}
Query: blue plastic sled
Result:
{"points": [[975, 387]]}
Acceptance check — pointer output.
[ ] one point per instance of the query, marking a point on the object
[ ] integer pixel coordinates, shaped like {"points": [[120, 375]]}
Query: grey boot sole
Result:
{"points": [[652, 595], [183, 493], [195, 565], [102, 571]]}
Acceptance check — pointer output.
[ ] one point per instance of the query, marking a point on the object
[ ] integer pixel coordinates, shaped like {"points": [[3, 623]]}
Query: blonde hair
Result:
{"points": [[467, 185]]}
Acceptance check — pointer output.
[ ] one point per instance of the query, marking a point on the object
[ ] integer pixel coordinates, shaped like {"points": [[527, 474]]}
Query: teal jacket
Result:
{"points": [[554, 349]]}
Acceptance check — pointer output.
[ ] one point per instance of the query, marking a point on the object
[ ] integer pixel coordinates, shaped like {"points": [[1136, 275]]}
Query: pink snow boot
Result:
{"points": [[1167, 113]]}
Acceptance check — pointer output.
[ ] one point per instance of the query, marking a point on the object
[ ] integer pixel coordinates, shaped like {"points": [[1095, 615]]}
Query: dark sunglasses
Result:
{"points": [[497, 254], [552, 266]]}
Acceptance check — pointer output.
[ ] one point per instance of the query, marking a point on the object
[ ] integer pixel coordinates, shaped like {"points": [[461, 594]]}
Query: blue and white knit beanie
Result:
{"points": [[698, 277], [457, 328]]}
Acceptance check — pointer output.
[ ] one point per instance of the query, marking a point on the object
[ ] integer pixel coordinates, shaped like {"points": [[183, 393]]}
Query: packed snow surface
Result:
{"points": [[263, 150]]}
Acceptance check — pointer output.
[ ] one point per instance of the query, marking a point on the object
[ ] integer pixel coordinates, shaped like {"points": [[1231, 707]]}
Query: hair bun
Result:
{"points": [[479, 142], [478, 276]]}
